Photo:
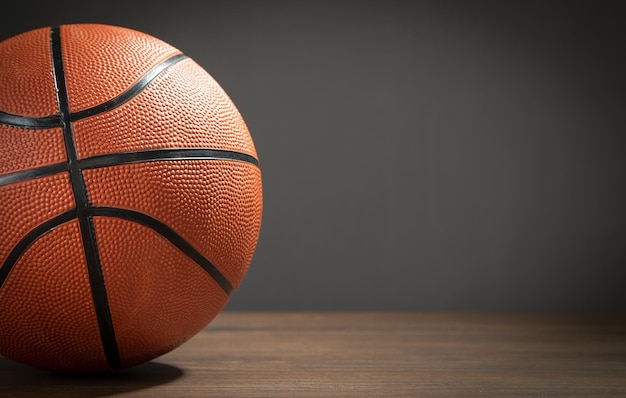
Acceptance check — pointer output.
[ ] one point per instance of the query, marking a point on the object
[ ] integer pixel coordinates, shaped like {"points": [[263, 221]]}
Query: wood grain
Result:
{"points": [[367, 355]]}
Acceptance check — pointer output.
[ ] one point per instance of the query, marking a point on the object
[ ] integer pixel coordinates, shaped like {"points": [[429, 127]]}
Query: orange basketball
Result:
{"points": [[131, 198]]}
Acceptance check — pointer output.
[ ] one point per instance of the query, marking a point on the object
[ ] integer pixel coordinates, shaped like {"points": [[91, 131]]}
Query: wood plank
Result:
{"points": [[391, 354]]}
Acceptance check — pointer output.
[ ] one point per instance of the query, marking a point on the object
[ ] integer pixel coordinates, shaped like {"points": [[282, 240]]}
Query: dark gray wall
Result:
{"points": [[464, 156]]}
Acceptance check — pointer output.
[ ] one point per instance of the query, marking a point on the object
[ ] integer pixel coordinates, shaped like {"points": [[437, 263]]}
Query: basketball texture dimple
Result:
{"points": [[26, 78], [132, 198]]}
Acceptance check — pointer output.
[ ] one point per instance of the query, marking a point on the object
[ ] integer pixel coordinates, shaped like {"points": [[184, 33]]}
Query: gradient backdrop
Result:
{"points": [[459, 156]]}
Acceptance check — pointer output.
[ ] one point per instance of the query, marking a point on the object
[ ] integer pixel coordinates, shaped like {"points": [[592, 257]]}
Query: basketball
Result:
{"points": [[131, 198]]}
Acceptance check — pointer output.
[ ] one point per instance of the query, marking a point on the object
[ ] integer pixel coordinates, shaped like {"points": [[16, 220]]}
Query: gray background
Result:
{"points": [[459, 156]]}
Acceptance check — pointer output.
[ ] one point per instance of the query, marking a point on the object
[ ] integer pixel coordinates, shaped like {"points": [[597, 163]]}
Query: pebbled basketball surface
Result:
{"points": [[131, 198]]}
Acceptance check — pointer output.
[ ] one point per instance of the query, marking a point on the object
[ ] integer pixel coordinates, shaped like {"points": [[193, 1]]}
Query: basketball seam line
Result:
{"points": [[53, 121], [168, 233], [79, 189], [29, 239], [32, 174], [130, 93], [121, 158], [118, 159], [124, 214], [30, 123]]}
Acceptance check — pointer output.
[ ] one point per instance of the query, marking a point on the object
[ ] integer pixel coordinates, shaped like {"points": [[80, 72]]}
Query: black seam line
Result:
{"points": [[33, 173], [31, 123], [52, 121], [127, 158], [131, 92], [94, 267], [116, 159], [169, 234], [29, 239]]}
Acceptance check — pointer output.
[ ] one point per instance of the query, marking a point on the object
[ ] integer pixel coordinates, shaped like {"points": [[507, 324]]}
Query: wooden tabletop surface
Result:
{"points": [[366, 354]]}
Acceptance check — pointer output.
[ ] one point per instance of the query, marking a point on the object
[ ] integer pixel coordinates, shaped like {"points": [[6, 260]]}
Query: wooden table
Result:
{"points": [[367, 355]]}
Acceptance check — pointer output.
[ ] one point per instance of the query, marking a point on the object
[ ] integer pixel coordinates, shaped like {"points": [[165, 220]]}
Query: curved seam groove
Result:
{"points": [[29, 239], [169, 234], [130, 93], [31, 123], [115, 159], [32, 174]]}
